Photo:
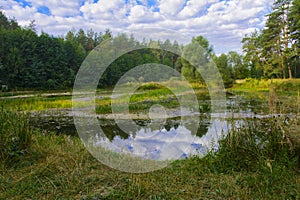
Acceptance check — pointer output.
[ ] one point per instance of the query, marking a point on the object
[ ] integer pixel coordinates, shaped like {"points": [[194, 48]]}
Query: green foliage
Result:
{"points": [[235, 62], [28, 60], [274, 51], [225, 69], [150, 86], [195, 61], [38, 103], [291, 86], [15, 135], [41, 62], [257, 145]]}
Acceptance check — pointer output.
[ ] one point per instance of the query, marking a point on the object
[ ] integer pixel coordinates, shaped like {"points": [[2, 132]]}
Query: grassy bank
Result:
{"points": [[282, 86], [259, 160], [281, 95], [143, 98]]}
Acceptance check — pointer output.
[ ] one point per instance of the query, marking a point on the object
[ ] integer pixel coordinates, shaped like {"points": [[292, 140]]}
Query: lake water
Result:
{"points": [[171, 138]]}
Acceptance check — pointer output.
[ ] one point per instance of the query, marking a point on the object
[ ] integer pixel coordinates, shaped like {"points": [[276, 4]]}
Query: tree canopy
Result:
{"points": [[274, 51]]}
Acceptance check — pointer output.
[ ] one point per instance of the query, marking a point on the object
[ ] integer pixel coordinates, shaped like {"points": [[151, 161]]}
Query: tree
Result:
{"points": [[7, 24], [71, 35], [275, 51], [81, 38], [252, 50], [198, 52], [276, 39], [90, 40], [235, 62], [222, 63], [203, 42], [294, 24]]}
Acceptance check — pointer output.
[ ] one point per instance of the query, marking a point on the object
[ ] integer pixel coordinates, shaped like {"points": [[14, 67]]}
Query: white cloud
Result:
{"points": [[104, 9], [170, 7], [222, 22], [140, 14], [7, 4], [194, 7], [60, 7], [23, 15]]}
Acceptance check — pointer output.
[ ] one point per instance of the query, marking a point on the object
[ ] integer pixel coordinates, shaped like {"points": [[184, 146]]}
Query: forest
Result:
{"points": [[152, 137], [29, 60]]}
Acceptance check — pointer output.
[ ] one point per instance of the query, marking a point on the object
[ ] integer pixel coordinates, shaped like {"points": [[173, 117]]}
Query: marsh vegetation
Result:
{"points": [[262, 144]]}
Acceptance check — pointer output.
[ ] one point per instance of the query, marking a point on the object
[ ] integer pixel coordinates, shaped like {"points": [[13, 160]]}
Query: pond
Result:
{"points": [[170, 138]]}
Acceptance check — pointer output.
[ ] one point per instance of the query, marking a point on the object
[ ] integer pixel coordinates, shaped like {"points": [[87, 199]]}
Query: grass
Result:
{"points": [[15, 135], [60, 167], [146, 95], [282, 86], [37, 103], [258, 160], [150, 94]]}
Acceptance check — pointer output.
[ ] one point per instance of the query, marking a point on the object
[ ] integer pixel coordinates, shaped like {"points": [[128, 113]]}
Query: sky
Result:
{"points": [[223, 22]]}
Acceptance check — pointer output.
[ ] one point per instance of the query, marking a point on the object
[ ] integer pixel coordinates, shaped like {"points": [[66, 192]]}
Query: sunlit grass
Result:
{"points": [[283, 86], [152, 93], [37, 103], [147, 94]]}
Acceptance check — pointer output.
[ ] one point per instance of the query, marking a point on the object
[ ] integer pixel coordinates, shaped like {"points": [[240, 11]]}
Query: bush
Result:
{"points": [[15, 135]]}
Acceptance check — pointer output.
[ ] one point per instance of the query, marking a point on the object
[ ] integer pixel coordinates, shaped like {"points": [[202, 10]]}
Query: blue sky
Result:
{"points": [[223, 23]]}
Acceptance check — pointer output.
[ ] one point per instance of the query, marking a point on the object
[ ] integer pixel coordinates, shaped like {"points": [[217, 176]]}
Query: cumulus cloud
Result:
{"points": [[170, 7], [21, 14], [62, 8], [222, 22], [104, 9], [195, 7], [140, 14]]}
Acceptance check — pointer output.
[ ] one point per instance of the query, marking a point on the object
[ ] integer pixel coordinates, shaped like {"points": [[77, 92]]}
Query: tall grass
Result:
{"points": [[279, 85], [253, 162], [257, 144], [15, 135], [37, 103]]}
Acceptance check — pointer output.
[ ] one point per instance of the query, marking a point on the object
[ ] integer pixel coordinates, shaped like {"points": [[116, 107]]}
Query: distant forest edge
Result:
{"points": [[32, 61]]}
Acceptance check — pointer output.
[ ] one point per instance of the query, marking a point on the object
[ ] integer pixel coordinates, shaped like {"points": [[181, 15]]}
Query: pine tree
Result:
{"points": [[276, 41]]}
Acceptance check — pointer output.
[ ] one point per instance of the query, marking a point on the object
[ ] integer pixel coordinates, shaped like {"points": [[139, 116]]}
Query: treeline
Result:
{"points": [[274, 51], [32, 61], [28, 60]]}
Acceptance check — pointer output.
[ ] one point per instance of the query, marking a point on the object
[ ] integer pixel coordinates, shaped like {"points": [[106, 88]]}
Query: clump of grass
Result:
{"points": [[261, 143], [150, 86], [285, 86], [15, 135], [38, 103], [257, 144]]}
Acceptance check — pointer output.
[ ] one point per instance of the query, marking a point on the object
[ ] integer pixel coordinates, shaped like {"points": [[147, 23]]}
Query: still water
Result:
{"points": [[162, 139]]}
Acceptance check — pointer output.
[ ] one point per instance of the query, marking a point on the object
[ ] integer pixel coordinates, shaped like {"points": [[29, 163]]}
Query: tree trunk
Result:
{"points": [[282, 63], [290, 71], [285, 34]]}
